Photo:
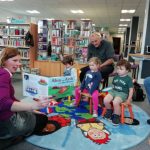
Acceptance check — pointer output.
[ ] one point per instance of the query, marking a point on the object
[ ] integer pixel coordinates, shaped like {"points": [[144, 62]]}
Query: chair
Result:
{"points": [[89, 99], [123, 106], [101, 96], [135, 70]]}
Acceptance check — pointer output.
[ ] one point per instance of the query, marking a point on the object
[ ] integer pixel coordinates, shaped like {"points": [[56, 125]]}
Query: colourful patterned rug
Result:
{"points": [[80, 131]]}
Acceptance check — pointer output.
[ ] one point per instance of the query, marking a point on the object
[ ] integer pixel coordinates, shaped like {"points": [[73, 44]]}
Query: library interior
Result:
{"points": [[74, 74]]}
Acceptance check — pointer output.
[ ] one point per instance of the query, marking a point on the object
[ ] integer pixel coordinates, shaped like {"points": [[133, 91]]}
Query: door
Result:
{"points": [[116, 44]]}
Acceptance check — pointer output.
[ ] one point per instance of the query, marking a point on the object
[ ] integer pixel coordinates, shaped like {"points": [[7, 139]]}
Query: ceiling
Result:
{"points": [[103, 13]]}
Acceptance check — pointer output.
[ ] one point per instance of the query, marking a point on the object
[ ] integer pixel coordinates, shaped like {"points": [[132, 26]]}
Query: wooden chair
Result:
{"points": [[123, 107], [89, 99], [101, 96]]}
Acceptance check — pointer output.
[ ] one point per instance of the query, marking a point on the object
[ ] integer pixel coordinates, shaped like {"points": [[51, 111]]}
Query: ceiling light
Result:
{"points": [[49, 18], [123, 25], [6, 0], [131, 11], [120, 32], [77, 11], [33, 11], [125, 19], [121, 29], [93, 24], [85, 19]]}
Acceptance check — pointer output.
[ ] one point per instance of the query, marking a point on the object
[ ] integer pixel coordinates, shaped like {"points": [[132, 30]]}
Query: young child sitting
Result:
{"points": [[122, 92], [90, 84], [69, 70]]}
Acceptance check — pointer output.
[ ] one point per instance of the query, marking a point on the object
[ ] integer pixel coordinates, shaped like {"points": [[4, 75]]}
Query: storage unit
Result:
{"points": [[70, 36], [56, 37], [42, 39], [13, 35], [83, 41], [53, 68]]}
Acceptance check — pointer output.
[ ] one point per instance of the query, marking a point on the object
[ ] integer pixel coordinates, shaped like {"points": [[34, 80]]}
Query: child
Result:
{"points": [[68, 71], [122, 92], [90, 84]]}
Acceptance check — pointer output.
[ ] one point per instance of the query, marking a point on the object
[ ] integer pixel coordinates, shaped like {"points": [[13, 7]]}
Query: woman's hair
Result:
{"points": [[68, 60], [124, 63], [7, 53], [95, 60]]}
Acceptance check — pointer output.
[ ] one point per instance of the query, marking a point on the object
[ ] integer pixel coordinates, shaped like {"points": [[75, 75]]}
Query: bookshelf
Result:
{"points": [[13, 35], [70, 36], [83, 41], [42, 39], [56, 38]]}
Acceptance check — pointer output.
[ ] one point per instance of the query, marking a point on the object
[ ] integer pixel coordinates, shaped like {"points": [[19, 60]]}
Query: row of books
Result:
{"points": [[12, 42]]}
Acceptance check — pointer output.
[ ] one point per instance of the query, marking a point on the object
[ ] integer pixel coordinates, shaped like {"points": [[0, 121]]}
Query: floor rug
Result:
{"points": [[85, 133]]}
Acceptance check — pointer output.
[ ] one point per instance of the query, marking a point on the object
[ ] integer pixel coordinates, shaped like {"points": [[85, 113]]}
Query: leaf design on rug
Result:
{"points": [[62, 109], [65, 115], [84, 115], [67, 103]]}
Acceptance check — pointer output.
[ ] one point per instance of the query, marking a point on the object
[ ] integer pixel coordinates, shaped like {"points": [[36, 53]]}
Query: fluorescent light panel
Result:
{"points": [[77, 11], [49, 18], [85, 19], [120, 32], [131, 11], [121, 29], [125, 19], [6, 0], [123, 25], [33, 11]]}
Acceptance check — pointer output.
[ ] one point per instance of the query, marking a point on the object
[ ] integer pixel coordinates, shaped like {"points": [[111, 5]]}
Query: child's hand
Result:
{"points": [[127, 102], [41, 103]]}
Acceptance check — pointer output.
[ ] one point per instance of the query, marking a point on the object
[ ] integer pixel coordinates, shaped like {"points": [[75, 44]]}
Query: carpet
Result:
{"points": [[84, 132]]}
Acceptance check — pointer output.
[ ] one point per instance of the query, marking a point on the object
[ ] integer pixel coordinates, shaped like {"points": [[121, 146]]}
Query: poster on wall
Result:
{"points": [[36, 86]]}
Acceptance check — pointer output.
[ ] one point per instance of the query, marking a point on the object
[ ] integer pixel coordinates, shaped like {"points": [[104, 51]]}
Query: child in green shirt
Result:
{"points": [[122, 92]]}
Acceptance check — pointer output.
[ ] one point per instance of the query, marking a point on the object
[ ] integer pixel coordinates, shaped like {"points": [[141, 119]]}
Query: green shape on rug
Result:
{"points": [[84, 115], [65, 115], [67, 103], [62, 109]]}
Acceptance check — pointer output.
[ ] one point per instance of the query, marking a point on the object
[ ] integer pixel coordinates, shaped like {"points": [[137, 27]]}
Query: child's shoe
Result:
{"points": [[116, 119], [108, 114], [95, 114]]}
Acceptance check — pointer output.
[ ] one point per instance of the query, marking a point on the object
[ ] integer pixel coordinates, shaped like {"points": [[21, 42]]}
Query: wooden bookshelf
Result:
{"points": [[13, 35], [83, 41], [56, 37]]}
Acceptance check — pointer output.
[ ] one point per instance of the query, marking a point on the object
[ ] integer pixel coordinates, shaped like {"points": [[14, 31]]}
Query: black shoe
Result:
{"points": [[116, 119], [148, 121], [108, 114]]}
